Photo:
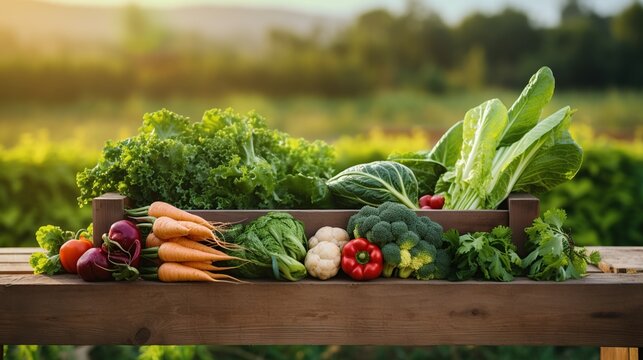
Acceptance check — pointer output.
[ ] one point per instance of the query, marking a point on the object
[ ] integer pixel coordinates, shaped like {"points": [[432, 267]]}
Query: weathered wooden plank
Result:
{"points": [[15, 268], [18, 250], [620, 259], [523, 209], [109, 208], [14, 258], [619, 353], [385, 311], [463, 221]]}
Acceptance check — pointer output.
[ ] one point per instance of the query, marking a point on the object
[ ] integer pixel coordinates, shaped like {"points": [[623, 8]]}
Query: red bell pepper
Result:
{"points": [[362, 260]]}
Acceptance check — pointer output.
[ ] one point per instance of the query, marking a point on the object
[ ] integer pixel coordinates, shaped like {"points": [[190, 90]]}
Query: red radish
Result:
{"points": [[425, 200], [426, 207], [437, 202], [93, 265], [123, 243]]}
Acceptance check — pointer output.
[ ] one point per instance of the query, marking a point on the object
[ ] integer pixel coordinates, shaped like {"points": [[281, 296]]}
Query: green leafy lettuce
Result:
{"points": [[50, 238], [553, 255], [225, 161], [495, 151]]}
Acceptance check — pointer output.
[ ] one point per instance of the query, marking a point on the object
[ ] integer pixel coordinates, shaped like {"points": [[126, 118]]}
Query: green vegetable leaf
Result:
{"points": [[447, 149], [426, 171], [225, 161], [481, 134], [375, 183], [41, 263], [51, 238], [509, 151], [164, 124], [514, 163], [486, 255], [553, 255], [525, 111]]}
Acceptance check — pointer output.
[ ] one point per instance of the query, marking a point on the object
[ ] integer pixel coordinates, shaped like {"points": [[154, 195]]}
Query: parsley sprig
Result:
{"points": [[553, 255]]}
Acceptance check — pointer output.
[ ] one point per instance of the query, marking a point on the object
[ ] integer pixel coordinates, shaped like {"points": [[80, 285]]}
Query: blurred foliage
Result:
{"points": [[378, 50], [303, 352], [37, 187], [603, 199], [618, 112]]}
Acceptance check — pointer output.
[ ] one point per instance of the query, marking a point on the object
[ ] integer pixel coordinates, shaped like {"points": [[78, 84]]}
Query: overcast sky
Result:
{"points": [[542, 12]]}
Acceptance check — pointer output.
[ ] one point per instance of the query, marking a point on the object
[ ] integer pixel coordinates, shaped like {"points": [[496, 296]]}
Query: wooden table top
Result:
{"points": [[602, 309]]}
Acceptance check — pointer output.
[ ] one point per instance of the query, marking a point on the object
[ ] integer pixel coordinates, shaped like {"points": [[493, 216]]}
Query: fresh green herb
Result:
{"points": [[225, 161], [486, 255], [553, 255]]}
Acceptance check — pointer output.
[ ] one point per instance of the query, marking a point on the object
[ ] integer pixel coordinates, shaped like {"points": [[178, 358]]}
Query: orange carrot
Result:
{"points": [[160, 208], [175, 272], [200, 233], [152, 241], [206, 265], [224, 277], [170, 251], [196, 246], [166, 228], [197, 231]]}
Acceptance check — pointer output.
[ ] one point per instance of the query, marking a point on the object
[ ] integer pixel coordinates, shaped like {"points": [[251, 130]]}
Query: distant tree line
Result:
{"points": [[379, 50]]}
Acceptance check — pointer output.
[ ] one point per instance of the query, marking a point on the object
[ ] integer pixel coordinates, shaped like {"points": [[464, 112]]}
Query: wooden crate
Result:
{"points": [[520, 212]]}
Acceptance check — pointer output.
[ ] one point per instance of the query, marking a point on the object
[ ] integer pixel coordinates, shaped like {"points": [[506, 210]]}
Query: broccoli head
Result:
{"points": [[392, 258], [411, 245]]}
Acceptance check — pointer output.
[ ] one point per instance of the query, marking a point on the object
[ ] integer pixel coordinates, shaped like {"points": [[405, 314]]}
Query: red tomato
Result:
{"points": [[425, 200], [71, 251], [437, 202]]}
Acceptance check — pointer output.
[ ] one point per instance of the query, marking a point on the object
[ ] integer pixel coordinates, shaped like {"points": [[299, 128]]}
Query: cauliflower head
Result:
{"points": [[323, 261]]}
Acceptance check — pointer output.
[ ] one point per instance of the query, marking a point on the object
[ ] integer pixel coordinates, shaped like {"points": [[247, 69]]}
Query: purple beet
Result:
{"points": [[94, 266]]}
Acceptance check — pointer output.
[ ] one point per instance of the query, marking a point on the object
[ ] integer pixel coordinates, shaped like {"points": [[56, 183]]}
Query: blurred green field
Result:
{"points": [[618, 113]]}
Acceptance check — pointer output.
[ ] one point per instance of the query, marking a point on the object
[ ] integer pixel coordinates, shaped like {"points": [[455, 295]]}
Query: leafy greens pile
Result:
{"points": [[487, 255], [553, 255], [225, 161], [480, 160], [495, 151]]}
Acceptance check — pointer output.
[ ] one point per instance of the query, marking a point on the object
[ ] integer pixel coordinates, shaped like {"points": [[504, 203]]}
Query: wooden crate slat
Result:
{"points": [[387, 312], [523, 208], [463, 221], [15, 268], [14, 258], [18, 250], [620, 259]]}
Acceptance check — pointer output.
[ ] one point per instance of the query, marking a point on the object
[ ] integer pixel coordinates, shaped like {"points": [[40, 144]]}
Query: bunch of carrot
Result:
{"points": [[177, 240]]}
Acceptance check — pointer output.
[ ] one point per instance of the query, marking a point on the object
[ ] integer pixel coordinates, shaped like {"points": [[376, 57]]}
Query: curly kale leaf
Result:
{"points": [[225, 161]]}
